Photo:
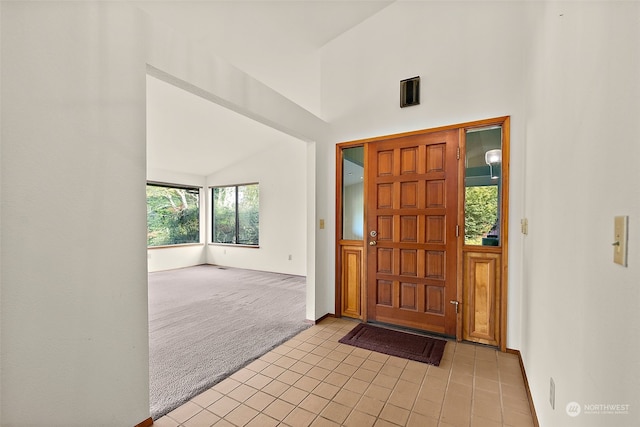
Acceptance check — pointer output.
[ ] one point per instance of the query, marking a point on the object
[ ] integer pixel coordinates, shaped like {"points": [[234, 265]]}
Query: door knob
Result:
{"points": [[373, 243]]}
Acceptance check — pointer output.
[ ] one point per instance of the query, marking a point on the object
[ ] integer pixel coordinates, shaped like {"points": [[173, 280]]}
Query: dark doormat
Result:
{"points": [[396, 343]]}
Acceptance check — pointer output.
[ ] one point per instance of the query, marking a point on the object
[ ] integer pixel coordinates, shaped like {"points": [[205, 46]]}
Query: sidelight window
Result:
{"points": [[353, 193], [483, 185]]}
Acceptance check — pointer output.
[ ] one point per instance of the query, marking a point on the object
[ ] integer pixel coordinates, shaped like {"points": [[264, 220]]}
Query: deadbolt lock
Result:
{"points": [[373, 233]]}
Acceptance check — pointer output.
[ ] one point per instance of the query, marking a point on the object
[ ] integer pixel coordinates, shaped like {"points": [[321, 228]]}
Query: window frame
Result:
{"points": [[237, 221], [179, 187]]}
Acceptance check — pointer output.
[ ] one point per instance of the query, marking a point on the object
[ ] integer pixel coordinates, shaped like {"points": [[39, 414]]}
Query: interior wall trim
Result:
{"points": [[526, 386], [146, 423], [315, 322]]}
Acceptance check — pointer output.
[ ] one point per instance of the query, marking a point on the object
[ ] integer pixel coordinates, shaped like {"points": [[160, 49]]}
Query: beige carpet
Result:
{"points": [[206, 322]]}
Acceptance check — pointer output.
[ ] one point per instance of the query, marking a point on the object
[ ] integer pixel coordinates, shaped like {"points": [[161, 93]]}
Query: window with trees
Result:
{"points": [[483, 186], [236, 214], [173, 214]]}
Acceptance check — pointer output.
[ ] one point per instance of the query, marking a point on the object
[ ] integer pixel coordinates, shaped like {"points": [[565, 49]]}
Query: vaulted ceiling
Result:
{"points": [[289, 24], [264, 38], [189, 134]]}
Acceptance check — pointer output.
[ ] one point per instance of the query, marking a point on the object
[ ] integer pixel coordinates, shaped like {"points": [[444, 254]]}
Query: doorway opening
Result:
{"points": [[196, 144]]}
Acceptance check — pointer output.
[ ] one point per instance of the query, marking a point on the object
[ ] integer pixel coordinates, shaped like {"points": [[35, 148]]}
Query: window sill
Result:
{"points": [[234, 245], [180, 245]]}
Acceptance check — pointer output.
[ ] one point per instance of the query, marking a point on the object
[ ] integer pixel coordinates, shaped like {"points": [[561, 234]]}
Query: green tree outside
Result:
{"points": [[248, 214], [236, 217], [173, 216], [224, 215], [480, 213]]}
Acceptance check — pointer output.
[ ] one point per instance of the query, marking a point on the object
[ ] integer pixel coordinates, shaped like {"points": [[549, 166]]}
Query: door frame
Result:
{"points": [[503, 121]]}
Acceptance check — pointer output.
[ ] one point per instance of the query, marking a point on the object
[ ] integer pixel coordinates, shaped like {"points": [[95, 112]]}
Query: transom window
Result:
{"points": [[236, 214]]}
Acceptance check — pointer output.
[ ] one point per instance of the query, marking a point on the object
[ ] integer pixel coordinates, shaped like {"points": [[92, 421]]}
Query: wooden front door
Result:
{"points": [[411, 215]]}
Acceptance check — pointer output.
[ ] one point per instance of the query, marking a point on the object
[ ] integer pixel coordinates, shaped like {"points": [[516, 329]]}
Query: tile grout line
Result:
{"points": [[319, 415], [448, 383], [422, 384]]}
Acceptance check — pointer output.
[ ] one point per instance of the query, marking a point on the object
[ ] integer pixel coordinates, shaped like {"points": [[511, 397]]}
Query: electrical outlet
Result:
{"points": [[552, 393], [524, 226], [290, 257]]}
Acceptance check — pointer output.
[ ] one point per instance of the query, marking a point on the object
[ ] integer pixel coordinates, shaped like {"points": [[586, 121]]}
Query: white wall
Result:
{"points": [[580, 310], [281, 173], [168, 258], [324, 262], [233, 32], [74, 295], [297, 75], [73, 285], [470, 59]]}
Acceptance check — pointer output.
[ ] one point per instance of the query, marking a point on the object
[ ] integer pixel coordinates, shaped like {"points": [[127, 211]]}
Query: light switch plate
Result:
{"points": [[620, 234]]}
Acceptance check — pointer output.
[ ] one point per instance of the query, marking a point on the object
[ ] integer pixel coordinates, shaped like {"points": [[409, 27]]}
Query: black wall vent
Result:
{"points": [[410, 92]]}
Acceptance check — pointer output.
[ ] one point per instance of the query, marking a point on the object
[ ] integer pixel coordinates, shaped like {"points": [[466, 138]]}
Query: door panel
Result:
{"points": [[411, 271], [351, 279], [482, 293]]}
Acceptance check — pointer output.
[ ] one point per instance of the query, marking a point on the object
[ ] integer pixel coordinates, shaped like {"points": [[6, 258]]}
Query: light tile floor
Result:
{"points": [[313, 380]]}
